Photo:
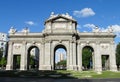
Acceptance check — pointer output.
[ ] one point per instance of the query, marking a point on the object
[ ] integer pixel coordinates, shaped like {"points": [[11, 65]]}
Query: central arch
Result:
{"points": [[60, 57], [33, 58]]}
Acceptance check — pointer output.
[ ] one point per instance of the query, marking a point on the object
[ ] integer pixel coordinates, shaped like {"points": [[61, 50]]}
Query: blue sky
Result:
{"points": [[33, 13]]}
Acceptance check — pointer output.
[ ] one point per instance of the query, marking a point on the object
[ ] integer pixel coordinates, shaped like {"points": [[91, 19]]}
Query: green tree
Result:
{"points": [[3, 62], [118, 55], [86, 57], [31, 60], [18, 60], [1, 53], [103, 61], [62, 62]]}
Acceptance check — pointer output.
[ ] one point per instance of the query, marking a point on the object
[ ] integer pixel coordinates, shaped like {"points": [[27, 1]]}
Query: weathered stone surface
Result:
{"points": [[61, 30]]}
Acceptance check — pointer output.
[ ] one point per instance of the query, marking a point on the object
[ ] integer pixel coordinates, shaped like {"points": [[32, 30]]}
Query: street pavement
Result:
{"points": [[25, 79]]}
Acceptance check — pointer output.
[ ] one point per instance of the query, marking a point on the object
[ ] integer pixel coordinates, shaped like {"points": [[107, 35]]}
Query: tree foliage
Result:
{"points": [[18, 60], [103, 61], [3, 61], [86, 57], [61, 65], [118, 54], [1, 53], [31, 60], [62, 62]]}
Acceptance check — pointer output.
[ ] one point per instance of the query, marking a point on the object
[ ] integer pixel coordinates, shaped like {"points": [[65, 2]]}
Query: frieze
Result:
{"points": [[98, 42], [17, 46], [24, 42], [87, 42], [112, 42], [104, 46]]}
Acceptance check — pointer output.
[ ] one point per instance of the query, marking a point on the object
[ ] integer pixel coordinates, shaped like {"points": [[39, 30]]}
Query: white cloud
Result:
{"points": [[92, 26], [24, 30], [103, 29], [30, 23], [89, 26], [115, 28], [86, 12]]}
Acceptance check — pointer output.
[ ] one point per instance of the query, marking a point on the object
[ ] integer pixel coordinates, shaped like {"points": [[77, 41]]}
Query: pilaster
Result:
{"points": [[113, 66], [47, 56], [23, 63], [42, 56], [9, 65], [70, 56], [74, 56], [52, 56], [98, 63], [79, 57]]}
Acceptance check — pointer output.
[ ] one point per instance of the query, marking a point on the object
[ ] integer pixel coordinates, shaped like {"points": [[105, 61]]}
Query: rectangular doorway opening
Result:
{"points": [[16, 62], [105, 62]]}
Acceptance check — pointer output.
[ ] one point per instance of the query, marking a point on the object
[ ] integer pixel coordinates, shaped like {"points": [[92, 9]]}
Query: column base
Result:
{"points": [[72, 67], [45, 67], [98, 68], [113, 68], [23, 67], [80, 68], [9, 67]]}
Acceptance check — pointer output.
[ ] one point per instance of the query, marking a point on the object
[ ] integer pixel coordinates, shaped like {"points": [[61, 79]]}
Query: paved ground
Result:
{"points": [[8, 79]]}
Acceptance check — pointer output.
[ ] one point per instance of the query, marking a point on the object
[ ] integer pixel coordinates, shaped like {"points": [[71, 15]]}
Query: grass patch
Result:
{"points": [[108, 74], [92, 74], [60, 74]]}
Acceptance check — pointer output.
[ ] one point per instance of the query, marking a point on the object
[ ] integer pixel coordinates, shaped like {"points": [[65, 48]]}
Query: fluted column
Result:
{"points": [[9, 65]]}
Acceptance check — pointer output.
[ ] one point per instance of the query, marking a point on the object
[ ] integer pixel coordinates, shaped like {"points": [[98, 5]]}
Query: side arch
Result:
{"points": [[87, 57], [33, 57]]}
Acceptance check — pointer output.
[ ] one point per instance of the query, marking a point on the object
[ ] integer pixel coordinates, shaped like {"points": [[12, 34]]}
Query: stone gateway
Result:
{"points": [[61, 32]]}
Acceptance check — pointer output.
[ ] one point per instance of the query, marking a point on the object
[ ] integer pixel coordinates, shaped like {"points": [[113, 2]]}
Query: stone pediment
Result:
{"points": [[60, 18], [61, 21]]}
